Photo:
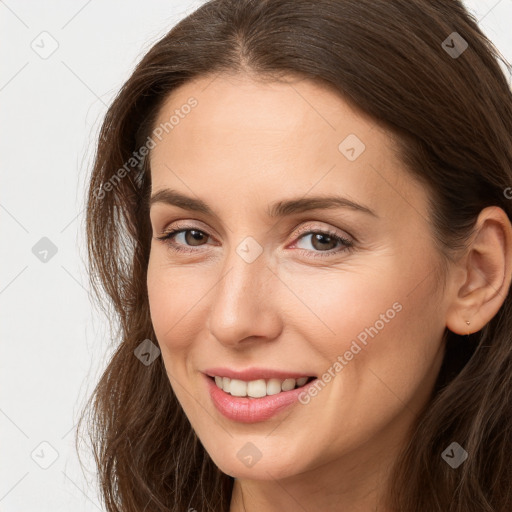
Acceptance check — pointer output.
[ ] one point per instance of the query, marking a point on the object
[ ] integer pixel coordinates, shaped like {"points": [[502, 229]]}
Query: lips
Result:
{"points": [[253, 410], [255, 373]]}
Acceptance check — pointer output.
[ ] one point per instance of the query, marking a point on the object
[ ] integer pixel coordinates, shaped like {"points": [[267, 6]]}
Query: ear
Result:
{"points": [[486, 272]]}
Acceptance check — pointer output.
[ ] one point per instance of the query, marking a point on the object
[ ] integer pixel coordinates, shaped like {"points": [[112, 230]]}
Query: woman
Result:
{"points": [[300, 211]]}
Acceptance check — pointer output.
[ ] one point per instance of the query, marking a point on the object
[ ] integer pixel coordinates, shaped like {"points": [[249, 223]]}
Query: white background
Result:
{"points": [[54, 341]]}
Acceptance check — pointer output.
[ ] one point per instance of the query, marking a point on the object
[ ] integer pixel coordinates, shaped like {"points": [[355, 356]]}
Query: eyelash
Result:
{"points": [[347, 244]]}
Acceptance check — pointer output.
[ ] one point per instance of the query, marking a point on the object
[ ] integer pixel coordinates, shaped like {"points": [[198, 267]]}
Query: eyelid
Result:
{"points": [[301, 231], [347, 244], [184, 225], [335, 231]]}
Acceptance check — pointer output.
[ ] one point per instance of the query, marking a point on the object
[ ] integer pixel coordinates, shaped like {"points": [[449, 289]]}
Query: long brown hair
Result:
{"points": [[452, 117]]}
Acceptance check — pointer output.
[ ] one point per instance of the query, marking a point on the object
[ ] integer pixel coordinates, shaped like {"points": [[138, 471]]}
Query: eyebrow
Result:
{"points": [[275, 210]]}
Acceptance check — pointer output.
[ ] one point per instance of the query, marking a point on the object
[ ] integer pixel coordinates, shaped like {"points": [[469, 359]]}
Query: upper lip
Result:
{"points": [[254, 373]]}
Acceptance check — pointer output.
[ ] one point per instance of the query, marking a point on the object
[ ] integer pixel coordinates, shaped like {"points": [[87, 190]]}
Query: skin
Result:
{"points": [[247, 144]]}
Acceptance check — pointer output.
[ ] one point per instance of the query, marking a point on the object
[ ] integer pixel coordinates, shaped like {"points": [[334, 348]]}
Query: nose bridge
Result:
{"points": [[244, 270], [241, 304]]}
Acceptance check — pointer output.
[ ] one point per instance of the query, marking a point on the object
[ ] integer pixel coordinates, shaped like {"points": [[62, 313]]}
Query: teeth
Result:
{"points": [[273, 387], [257, 388], [237, 387], [288, 384]]}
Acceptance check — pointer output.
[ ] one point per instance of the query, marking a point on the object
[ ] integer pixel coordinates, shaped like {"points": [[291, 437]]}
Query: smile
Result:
{"points": [[252, 401], [258, 388]]}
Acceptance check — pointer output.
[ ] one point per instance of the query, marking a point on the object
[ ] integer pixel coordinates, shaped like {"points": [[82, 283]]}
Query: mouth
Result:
{"points": [[253, 401], [258, 388]]}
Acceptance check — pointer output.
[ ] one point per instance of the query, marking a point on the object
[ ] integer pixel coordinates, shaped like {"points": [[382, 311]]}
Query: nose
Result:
{"points": [[243, 303]]}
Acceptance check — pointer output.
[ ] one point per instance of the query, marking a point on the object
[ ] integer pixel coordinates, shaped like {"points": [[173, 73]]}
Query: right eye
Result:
{"points": [[196, 235]]}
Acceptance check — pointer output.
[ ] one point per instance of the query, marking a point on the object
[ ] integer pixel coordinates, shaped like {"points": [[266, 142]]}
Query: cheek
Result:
{"points": [[335, 307], [160, 296], [370, 303], [177, 299], [166, 300], [379, 321]]}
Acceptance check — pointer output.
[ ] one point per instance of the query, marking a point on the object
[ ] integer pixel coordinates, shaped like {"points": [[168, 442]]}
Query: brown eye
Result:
{"points": [[191, 238], [324, 243], [195, 238]]}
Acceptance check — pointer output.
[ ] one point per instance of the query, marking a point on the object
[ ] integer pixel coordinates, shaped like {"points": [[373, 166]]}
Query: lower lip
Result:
{"points": [[252, 410]]}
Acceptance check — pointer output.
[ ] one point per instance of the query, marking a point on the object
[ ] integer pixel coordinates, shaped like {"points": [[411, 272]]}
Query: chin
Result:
{"points": [[254, 460]]}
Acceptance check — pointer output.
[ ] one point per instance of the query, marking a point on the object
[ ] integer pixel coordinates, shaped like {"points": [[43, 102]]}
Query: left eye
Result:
{"points": [[320, 240]]}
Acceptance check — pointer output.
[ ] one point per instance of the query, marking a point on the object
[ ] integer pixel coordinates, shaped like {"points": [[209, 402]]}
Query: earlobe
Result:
{"points": [[487, 265]]}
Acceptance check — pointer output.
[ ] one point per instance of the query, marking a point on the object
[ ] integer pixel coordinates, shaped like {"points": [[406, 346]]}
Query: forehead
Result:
{"points": [[242, 106], [258, 137]]}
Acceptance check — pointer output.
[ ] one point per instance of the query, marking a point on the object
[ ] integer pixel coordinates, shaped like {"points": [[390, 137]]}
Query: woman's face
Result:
{"points": [[252, 291]]}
